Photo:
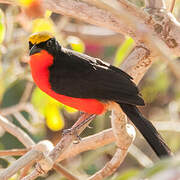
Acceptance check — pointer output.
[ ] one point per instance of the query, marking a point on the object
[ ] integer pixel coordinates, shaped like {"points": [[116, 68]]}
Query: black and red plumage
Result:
{"points": [[88, 84]]}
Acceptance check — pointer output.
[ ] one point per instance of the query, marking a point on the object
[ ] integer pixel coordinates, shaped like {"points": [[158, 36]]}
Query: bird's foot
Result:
{"points": [[72, 131]]}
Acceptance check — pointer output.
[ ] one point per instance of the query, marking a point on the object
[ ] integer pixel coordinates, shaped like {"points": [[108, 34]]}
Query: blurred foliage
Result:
{"points": [[160, 88], [2, 26], [49, 108], [76, 44], [43, 24], [156, 83], [126, 175], [163, 169], [123, 51], [25, 2]]}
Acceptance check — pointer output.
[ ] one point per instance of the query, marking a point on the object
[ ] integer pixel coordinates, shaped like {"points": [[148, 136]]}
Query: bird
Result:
{"points": [[88, 84]]}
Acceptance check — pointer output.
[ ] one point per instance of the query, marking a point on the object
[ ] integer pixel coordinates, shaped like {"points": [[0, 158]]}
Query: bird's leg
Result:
{"points": [[83, 119], [81, 113]]}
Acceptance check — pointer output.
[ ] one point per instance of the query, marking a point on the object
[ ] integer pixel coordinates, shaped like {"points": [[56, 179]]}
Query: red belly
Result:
{"points": [[39, 68]]}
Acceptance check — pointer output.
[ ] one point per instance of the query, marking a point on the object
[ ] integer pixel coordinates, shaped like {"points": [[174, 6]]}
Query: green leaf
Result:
{"points": [[123, 51], [13, 93]]}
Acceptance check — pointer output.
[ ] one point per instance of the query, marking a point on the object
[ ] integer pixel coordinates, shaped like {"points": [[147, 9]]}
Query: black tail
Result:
{"points": [[147, 130]]}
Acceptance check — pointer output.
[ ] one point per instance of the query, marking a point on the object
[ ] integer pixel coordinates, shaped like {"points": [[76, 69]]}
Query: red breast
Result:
{"points": [[39, 63]]}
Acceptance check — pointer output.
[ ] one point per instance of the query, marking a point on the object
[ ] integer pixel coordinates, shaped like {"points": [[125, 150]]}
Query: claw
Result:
{"points": [[66, 131], [72, 131]]}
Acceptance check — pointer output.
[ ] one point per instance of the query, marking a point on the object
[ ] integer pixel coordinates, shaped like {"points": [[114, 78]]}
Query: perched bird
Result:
{"points": [[88, 84]]}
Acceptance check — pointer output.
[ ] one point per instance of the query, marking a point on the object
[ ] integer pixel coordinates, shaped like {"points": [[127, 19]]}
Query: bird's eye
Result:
{"points": [[49, 43], [30, 45]]}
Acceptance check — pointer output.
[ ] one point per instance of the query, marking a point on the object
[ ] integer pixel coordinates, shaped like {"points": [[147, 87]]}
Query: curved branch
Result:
{"points": [[17, 132]]}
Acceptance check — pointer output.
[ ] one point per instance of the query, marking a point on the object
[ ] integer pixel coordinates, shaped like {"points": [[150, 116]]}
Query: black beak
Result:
{"points": [[34, 50]]}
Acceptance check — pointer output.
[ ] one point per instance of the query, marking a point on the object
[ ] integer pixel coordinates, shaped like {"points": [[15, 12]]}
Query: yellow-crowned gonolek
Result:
{"points": [[88, 84]]}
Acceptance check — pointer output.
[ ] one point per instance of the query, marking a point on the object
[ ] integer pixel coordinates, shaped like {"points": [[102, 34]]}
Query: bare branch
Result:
{"points": [[21, 107], [49, 159], [67, 140], [34, 174], [13, 152], [16, 131], [20, 118], [156, 4], [95, 141], [167, 125], [7, 1], [27, 92], [28, 158], [121, 18], [137, 63], [111, 166], [25, 170], [124, 136], [172, 5], [13, 109], [144, 161], [64, 171], [106, 137], [93, 34]]}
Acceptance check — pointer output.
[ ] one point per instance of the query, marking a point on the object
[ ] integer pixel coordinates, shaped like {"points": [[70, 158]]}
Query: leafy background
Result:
{"points": [[45, 118]]}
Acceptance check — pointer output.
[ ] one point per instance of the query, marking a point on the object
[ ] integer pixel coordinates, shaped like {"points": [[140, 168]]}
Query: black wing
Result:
{"points": [[81, 76]]}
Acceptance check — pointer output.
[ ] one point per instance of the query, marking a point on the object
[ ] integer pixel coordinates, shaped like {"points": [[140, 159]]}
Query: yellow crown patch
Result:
{"points": [[39, 37]]}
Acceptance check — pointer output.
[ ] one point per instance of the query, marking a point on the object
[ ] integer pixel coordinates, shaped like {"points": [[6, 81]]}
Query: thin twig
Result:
{"points": [[16, 131], [28, 158], [172, 5], [21, 107], [64, 171], [92, 34], [94, 141], [144, 161], [13, 152], [27, 92], [34, 174], [67, 139], [20, 118], [25, 170], [123, 138], [156, 4], [13, 109], [111, 166], [47, 163], [106, 137], [167, 125]]}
